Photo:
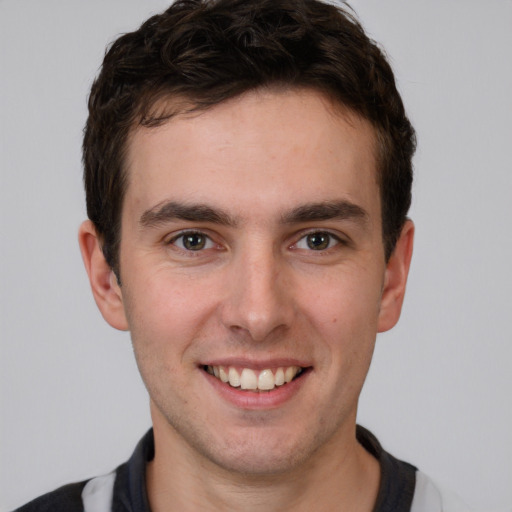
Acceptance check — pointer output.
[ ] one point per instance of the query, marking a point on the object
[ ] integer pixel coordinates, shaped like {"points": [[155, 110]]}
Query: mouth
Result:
{"points": [[247, 379]]}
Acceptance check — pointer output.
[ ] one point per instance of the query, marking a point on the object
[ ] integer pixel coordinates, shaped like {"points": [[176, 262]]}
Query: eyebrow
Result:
{"points": [[198, 212], [173, 210], [328, 210]]}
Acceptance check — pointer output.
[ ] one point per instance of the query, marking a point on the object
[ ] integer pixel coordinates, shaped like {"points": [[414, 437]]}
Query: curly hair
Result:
{"points": [[207, 51]]}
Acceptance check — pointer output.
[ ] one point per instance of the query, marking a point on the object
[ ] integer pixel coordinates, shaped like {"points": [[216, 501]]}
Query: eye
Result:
{"points": [[317, 241], [192, 241]]}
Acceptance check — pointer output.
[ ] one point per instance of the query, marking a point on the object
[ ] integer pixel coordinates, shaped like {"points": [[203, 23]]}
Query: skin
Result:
{"points": [[256, 294]]}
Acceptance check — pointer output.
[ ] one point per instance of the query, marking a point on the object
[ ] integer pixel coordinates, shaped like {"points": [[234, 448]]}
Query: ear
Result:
{"points": [[395, 280], [105, 288]]}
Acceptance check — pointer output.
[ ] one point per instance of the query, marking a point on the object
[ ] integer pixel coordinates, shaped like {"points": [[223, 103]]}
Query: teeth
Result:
{"points": [[266, 380], [289, 373], [248, 379], [234, 378], [279, 378], [223, 375]]}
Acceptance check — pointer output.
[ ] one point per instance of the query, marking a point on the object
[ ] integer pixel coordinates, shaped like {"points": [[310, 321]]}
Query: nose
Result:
{"points": [[259, 304]]}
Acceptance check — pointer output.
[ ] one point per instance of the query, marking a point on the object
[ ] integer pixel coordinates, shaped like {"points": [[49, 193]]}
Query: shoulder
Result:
{"points": [[432, 497], [66, 499], [403, 488], [95, 494], [121, 489]]}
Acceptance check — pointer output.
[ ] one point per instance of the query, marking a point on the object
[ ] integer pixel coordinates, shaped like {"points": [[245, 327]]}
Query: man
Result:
{"points": [[248, 175]]}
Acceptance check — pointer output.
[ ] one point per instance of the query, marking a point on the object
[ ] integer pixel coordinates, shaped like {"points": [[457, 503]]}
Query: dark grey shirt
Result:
{"points": [[396, 490]]}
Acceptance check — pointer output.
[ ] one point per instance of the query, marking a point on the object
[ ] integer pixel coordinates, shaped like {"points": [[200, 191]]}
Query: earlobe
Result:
{"points": [[106, 291], [397, 270]]}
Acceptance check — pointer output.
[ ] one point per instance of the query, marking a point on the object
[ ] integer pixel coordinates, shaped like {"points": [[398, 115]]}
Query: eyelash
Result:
{"points": [[208, 243], [333, 241]]}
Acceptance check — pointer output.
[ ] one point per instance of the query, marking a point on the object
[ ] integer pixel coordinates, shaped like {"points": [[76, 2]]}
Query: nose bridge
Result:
{"points": [[258, 303]]}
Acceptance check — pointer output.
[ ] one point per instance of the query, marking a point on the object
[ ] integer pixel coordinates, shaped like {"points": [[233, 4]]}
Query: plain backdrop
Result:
{"points": [[439, 393]]}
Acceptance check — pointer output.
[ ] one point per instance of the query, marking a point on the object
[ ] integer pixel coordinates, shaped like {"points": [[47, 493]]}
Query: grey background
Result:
{"points": [[439, 391]]}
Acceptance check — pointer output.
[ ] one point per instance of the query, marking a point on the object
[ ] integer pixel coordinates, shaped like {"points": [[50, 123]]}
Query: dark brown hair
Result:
{"points": [[207, 51]]}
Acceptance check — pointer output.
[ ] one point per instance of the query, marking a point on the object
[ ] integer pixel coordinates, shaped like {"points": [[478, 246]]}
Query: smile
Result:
{"points": [[251, 380]]}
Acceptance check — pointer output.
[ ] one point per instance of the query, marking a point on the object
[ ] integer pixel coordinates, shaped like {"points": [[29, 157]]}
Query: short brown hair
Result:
{"points": [[207, 51]]}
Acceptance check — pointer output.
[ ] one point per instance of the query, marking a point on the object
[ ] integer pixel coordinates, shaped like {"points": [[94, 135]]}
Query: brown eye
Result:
{"points": [[318, 241], [192, 241]]}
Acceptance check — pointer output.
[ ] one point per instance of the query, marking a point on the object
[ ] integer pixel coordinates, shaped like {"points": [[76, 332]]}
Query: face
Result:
{"points": [[253, 277]]}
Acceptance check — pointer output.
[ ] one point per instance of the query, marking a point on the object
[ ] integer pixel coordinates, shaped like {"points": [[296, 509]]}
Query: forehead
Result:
{"points": [[264, 148]]}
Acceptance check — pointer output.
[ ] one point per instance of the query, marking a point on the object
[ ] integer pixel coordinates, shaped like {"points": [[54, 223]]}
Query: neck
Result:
{"points": [[342, 476]]}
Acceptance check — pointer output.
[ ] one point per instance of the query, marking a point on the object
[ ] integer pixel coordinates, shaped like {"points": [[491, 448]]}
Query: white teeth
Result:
{"points": [[223, 375], [279, 378], [234, 378], [249, 379], [289, 373], [266, 380]]}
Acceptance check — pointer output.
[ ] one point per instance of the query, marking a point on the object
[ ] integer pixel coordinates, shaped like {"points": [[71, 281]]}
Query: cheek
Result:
{"points": [[346, 302], [165, 314], [161, 326], [346, 317]]}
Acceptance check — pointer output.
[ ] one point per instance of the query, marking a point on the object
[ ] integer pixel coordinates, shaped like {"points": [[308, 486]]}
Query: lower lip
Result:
{"points": [[257, 400]]}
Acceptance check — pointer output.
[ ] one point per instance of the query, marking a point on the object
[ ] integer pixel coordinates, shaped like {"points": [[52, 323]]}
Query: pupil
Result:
{"points": [[318, 241], [194, 241]]}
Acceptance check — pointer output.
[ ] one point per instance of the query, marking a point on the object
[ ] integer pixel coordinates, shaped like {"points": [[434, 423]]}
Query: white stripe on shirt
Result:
{"points": [[98, 493]]}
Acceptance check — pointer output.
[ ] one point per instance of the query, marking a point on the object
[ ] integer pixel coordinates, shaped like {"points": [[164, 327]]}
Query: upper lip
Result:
{"points": [[255, 364]]}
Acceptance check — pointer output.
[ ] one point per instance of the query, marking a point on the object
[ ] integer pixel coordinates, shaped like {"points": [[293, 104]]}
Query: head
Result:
{"points": [[248, 177], [200, 53]]}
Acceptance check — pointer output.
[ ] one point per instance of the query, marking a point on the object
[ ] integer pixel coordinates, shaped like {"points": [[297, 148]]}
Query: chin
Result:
{"points": [[259, 453], [258, 461]]}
